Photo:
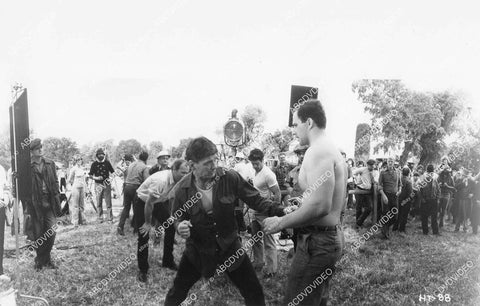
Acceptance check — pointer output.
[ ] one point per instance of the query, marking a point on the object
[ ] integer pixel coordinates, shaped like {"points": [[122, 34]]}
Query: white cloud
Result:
{"points": [[112, 69]]}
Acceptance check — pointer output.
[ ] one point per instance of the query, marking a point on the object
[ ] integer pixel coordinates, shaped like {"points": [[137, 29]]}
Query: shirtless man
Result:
{"points": [[320, 240]]}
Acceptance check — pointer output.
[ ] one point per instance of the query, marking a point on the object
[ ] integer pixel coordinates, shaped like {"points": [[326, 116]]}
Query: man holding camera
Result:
{"points": [[100, 172]]}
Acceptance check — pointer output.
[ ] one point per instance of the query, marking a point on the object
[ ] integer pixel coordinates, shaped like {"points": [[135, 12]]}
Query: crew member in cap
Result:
{"points": [[45, 204], [162, 162], [100, 172]]}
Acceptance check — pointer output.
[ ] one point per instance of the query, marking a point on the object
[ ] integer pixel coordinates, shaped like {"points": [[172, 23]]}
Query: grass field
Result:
{"points": [[393, 272]]}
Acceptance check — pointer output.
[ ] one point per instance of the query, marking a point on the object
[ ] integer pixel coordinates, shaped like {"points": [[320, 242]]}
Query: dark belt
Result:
{"points": [[364, 188], [130, 184], [317, 229]]}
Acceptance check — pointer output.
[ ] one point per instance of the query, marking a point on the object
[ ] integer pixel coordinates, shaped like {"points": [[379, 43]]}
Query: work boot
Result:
{"points": [[142, 277], [120, 231], [50, 265], [172, 266]]}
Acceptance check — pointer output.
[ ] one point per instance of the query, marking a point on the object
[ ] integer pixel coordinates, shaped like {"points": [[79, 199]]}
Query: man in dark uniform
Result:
{"points": [[204, 209], [45, 204]]}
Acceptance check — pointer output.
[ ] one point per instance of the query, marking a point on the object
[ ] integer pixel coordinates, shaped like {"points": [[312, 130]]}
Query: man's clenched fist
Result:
{"points": [[183, 229]]}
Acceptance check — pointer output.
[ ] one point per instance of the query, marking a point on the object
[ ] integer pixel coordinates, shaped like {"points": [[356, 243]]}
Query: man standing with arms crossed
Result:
{"points": [[320, 240], [364, 201]]}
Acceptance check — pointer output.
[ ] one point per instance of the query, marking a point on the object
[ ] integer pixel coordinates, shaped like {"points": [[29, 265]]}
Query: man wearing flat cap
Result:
{"points": [[45, 204], [162, 162]]}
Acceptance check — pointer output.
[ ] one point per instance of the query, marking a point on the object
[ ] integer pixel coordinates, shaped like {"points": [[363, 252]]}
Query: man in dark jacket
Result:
{"points": [[429, 194], [465, 187], [100, 172], [204, 209], [45, 204], [404, 200]]}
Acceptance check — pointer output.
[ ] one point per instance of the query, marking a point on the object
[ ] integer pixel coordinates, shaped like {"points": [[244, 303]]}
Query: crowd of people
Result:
{"points": [[432, 194], [213, 206]]}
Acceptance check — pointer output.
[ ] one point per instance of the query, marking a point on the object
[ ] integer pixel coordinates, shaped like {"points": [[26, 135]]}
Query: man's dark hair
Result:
{"points": [[430, 168], [371, 162], [200, 148], [255, 154], [178, 163], [128, 157], [313, 109], [143, 156], [406, 171]]}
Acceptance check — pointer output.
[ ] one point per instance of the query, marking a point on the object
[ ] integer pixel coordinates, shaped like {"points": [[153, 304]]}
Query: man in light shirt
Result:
{"points": [[266, 183], [365, 182], [135, 175], [153, 201]]}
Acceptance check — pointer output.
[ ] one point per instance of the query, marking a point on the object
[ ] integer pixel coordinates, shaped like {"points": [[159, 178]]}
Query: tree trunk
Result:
{"points": [[406, 150]]}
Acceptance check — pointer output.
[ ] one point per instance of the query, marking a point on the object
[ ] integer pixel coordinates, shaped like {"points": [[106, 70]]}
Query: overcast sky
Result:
{"points": [[165, 70]]}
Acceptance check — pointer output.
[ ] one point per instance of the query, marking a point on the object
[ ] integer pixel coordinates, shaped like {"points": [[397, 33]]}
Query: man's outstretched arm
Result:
{"points": [[317, 198]]}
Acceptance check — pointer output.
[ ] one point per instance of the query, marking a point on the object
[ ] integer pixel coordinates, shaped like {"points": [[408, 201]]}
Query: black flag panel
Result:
{"points": [[22, 150], [298, 96]]}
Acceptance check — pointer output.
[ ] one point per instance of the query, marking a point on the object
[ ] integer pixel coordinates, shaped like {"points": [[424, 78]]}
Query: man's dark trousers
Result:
{"points": [[392, 202], [403, 215], [475, 218], [463, 213], [129, 194], [45, 231], [243, 277], [161, 212], [429, 209], [443, 206], [364, 207], [314, 266]]}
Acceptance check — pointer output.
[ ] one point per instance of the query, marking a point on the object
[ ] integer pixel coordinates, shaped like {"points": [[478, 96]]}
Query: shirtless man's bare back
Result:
{"points": [[320, 241]]}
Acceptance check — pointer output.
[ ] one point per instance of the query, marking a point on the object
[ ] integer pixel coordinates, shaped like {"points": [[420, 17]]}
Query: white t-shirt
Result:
{"points": [[77, 175], [264, 180]]}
